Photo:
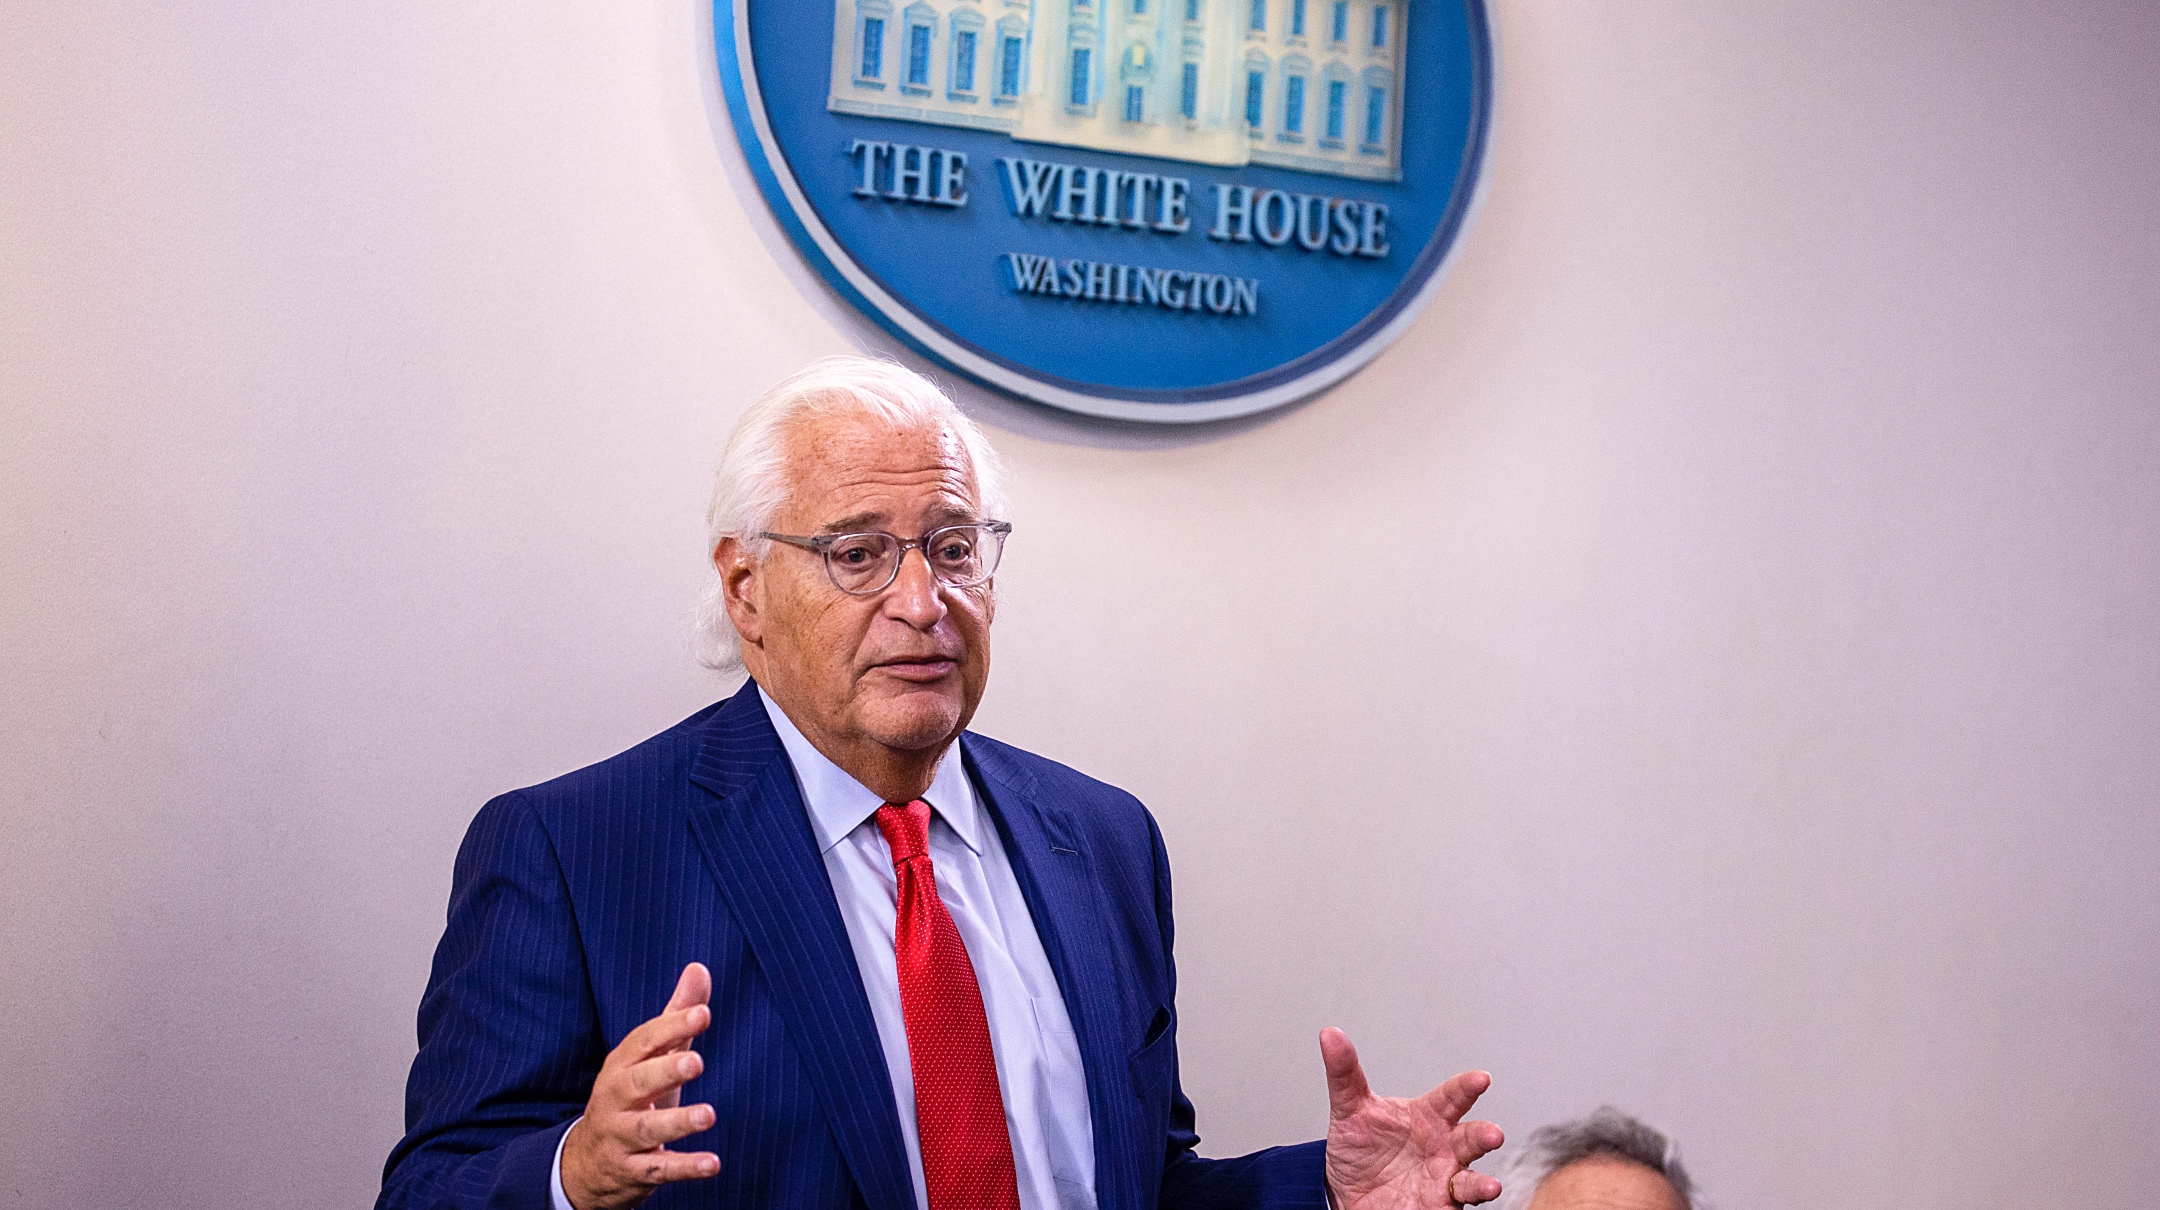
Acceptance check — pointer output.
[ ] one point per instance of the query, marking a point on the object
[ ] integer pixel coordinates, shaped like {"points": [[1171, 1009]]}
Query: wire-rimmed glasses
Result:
{"points": [[861, 565]]}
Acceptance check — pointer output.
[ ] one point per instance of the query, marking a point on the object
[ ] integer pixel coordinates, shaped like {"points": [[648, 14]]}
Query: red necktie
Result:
{"points": [[967, 1157]]}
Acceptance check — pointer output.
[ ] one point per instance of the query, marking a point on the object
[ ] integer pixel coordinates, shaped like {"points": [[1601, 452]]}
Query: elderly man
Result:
{"points": [[1607, 1161], [820, 947]]}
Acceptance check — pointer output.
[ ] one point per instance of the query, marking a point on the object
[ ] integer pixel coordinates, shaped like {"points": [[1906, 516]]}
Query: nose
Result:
{"points": [[914, 597]]}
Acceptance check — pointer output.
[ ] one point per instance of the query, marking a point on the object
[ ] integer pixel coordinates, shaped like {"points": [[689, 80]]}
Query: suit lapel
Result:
{"points": [[1057, 879], [755, 834]]}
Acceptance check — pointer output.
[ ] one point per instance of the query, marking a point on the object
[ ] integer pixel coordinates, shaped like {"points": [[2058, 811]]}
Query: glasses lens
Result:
{"points": [[964, 555], [862, 562]]}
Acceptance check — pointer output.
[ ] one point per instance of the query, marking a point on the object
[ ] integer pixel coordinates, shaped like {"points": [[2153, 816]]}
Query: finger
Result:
{"points": [[1346, 1087], [639, 1084], [663, 1167], [694, 987], [1470, 1188], [652, 1128], [1476, 1140], [1454, 1098], [666, 1032]]}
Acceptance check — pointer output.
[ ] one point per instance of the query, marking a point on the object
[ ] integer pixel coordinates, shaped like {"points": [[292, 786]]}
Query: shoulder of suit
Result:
{"points": [[1058, 784]]}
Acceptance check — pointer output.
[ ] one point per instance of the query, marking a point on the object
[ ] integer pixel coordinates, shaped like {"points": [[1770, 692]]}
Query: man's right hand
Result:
{"points": [[617, 1153]]}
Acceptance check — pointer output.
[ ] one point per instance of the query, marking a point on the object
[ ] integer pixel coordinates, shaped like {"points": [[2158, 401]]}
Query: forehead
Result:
{"points": [[858, 464], [1606, 1182]]}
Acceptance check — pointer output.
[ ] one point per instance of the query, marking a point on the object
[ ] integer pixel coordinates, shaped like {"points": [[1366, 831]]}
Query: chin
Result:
{"points": [[911, 721]]}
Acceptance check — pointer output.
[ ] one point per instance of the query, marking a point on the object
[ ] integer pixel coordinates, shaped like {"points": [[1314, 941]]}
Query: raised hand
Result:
{"points": [[617, 1154], [1403, 1153]]}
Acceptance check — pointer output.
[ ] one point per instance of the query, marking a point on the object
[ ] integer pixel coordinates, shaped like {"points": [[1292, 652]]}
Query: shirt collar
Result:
{"points": [[839, 804]]}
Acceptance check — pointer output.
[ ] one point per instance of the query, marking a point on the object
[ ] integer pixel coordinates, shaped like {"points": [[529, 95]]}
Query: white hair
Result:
{"points": [[753, 479], [1606, 1133]]}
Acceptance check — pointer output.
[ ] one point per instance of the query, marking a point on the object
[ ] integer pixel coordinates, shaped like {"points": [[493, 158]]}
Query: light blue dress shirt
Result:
{"points": [[1038, 1057]]}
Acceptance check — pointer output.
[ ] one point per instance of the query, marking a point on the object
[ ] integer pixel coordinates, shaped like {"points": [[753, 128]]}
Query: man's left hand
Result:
{"points": [[1403, 1153]]}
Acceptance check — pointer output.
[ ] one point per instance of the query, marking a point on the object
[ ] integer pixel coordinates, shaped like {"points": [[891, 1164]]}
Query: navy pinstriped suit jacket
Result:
{"points": [[576, 904]]}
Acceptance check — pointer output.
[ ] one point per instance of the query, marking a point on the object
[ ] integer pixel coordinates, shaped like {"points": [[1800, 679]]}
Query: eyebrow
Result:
{"points": [[852, 523], [857, 522]]}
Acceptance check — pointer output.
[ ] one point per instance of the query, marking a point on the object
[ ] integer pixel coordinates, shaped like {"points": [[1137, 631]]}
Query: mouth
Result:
{"points": [[919, 669]]}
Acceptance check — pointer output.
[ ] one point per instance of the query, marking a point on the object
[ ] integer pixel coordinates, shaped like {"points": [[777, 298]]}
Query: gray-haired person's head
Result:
{"points": [[1608, 1135], [753, 478]]}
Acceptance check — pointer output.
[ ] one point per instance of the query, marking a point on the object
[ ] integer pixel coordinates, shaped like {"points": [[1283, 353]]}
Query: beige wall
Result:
{"points": [[1710, 665]]}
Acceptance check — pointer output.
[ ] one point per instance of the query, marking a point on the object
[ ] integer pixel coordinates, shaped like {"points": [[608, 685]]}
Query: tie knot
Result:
{"points": [[906, 828]]}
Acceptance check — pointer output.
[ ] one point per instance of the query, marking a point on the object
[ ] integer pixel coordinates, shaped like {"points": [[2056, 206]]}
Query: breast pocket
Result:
{"points": [[1155, 1060]]}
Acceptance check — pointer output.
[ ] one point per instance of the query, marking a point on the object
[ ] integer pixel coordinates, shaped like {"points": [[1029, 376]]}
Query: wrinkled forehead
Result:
{"points": [[1605, 1181], [854, 459]]}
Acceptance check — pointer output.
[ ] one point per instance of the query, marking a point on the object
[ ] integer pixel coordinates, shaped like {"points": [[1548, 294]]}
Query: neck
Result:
{"points": [[894, 774], [891, 775]]}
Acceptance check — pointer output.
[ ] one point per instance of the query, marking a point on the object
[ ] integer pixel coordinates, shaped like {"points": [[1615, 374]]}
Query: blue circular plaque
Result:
{"points": [[1157, 210]]}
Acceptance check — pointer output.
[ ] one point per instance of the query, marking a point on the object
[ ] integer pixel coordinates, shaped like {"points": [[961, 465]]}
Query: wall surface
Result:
{"points": [[1710, 665]]}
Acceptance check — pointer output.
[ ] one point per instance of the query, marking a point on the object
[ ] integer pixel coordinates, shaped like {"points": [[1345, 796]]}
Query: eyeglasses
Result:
{"points": [[959, 556]]}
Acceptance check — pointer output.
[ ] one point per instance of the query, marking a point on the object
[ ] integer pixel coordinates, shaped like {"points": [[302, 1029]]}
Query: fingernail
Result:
{"points": [[687, 1065], [709, 1167]]}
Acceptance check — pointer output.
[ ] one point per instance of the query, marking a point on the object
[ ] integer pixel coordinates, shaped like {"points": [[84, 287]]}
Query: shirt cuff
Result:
{"points": [[562, 1200]]}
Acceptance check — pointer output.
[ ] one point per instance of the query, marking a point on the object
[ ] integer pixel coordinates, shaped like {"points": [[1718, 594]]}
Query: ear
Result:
{"points": [[739, 589]]}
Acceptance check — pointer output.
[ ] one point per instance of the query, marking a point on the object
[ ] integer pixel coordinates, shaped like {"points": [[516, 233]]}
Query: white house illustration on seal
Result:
{"points": [[1308, 84]]}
